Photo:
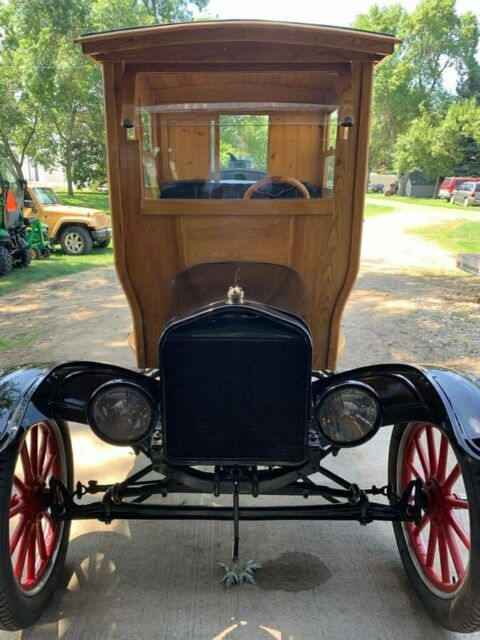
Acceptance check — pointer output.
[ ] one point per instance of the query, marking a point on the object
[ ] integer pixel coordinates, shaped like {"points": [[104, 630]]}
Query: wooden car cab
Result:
{"points": [[242, 141]]}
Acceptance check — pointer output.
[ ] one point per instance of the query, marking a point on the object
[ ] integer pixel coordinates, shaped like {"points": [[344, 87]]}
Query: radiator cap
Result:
{"points": [[235, 295]]}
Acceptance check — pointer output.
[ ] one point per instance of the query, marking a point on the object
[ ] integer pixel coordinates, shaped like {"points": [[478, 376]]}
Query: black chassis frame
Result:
{"points": [[448, 398]]}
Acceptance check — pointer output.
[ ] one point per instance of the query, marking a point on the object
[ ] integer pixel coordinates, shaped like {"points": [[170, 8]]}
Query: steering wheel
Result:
{"points": [[301, 188]]}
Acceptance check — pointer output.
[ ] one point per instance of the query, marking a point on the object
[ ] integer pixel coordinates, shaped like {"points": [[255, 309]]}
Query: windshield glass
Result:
{"points": [[46, 196], [267, 136], [273, 285]]}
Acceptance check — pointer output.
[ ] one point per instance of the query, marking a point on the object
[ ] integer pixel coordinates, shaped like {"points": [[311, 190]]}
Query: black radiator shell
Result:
{"points": [[236, 387]]}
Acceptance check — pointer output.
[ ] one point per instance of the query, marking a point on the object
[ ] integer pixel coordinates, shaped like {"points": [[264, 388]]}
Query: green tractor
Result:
{"points": [[20, 237], [37, 237]]}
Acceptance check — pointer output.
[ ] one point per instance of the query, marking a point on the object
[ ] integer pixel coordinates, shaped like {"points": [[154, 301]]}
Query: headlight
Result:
{"points": [[121, 413], [348, 414]]}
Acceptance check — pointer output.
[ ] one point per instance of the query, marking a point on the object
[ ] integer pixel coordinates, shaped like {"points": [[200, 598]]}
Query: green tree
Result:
{"points": [[393, 103], [172, 10], [64, 102], [244, 136], [435, 142], [434, 38], [19, 112]]}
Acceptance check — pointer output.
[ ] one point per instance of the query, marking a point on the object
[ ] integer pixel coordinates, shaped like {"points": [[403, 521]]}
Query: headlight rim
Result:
{"points": [[120, 382], [328, 391]]}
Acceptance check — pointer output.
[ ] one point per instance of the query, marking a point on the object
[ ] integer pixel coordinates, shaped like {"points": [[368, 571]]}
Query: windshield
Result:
{"points": [[46, 196], [273, 285], [271, 137]]}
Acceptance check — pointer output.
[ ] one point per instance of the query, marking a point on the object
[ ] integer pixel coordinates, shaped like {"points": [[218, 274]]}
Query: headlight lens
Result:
{"points": [[349, 414], [121, 413]]}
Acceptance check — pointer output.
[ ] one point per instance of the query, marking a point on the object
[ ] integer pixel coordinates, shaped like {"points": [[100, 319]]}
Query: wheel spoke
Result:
{"points": [[422, 456], [27, 469], [48, 465], [413, 469], [20, 485], [417, 530], [432, 545], [42, 550], [22, 554], [452, 477], [455, 503], [31, 556], [42, 450], [34, 450], [17, 533], [432, 456], [443, 553], [50, 532], [459, 530], [454, 552], [16, 508], [442, 459]]}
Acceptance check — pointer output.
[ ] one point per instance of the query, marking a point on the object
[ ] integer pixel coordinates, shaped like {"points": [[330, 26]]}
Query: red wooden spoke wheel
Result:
{"points": [[441, 540], [33, 534], [440, 553], [32, 544]]}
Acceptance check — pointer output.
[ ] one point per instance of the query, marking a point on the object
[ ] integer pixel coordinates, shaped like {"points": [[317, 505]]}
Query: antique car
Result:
{"points": [[236, 292], [76, 229]]}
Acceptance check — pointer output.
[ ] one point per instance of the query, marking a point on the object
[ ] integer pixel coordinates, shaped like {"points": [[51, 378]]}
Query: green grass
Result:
{"points": [[428, 202], [372, 210], [60, 264], [86, 199], [56, 266], [457, 236], [23, 339]]}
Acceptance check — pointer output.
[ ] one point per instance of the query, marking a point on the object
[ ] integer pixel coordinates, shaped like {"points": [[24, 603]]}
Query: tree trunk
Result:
{"points": [[402, 184], [68, 169], [17, 166], [436, 188]]}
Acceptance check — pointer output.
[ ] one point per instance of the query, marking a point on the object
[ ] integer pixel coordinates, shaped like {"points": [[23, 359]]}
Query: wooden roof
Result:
{"points": [[237, 41]]}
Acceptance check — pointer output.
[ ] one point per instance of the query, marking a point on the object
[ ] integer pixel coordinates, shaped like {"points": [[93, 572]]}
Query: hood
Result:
{"points": [[97, 216], [69, 210]]}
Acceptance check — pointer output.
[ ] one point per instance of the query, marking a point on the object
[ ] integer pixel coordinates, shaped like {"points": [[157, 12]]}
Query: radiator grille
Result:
{"points": [[236, 393]]}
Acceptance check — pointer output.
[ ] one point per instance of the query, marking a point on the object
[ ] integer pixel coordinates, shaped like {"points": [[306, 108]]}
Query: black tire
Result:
{"points": [[6, 261], [76, 241], [26, 255], [103, 244], [459, 609], [22, 604], [42, 254]]}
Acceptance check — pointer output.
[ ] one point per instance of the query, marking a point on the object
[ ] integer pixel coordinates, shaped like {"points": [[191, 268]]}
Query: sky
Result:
{"points": [[339, 12]]}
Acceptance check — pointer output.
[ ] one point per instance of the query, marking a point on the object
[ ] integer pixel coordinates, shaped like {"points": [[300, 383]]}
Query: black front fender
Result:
{"points": [[17, 386], [445, 397], [33, 393]]}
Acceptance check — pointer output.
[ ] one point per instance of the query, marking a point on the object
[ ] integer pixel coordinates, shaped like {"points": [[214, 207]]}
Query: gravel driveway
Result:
{"points": [[319, 580]]}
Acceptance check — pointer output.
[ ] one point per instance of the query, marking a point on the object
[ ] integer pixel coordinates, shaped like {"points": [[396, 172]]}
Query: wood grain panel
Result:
{"points": [[247, 31], [295, 146], [225, 208], [213, 239], [235, 52], [363, 82], [308, 80], [186, 150], [239, 92]]}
